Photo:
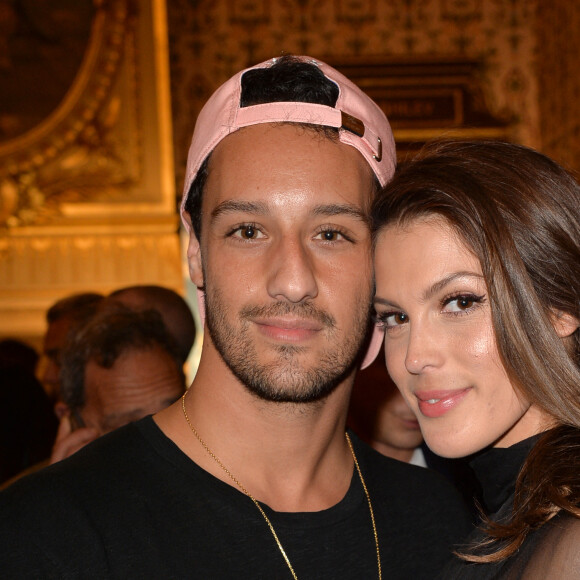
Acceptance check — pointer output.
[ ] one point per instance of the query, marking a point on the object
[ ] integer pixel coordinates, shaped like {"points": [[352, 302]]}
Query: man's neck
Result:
{"points": [[293, 457]]}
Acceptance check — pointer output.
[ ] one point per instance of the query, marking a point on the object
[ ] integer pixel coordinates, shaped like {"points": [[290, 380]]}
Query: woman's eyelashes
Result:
{"points": [[390, 319], [462, 303], [456, 305]]}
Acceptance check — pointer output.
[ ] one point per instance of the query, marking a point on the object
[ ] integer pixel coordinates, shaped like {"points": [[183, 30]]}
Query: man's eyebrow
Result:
{"points": [[232, 206], [332, 209], [261, 208]]}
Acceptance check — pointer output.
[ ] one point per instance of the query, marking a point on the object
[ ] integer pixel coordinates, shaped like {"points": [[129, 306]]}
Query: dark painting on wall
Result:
{"points": [[42, 46]]}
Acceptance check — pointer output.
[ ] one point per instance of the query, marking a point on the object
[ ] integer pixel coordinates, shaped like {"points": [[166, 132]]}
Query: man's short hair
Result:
{"points": [[111, 332], [174, 310], [77, 307]]}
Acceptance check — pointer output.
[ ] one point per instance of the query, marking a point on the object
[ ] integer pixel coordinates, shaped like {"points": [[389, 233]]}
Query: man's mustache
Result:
{"points": [[299, 310]]}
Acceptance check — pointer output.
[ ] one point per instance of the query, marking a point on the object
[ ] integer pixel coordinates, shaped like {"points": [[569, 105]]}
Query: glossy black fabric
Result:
{"points": [[132, 505], [552, 552], [497, 470]]}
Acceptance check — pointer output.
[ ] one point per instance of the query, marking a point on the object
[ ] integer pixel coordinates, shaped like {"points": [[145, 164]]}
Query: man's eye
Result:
{"points": [[248, 232], [331, 236]]}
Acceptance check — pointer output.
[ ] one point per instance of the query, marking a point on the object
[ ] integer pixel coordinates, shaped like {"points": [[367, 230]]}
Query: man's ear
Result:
{"points": [[564, 324], [193, 254], [201, 306]]}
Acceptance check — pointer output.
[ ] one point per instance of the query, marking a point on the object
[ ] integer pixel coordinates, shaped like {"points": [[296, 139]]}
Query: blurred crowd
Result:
{"points": [[106, 361]]}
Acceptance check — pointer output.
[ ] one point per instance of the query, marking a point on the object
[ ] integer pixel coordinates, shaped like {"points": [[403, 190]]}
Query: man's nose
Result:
{"points": [[292, 272]]}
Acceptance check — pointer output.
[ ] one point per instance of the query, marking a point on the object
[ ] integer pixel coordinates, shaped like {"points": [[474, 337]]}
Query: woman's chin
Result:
{"points": [[451, 447]]}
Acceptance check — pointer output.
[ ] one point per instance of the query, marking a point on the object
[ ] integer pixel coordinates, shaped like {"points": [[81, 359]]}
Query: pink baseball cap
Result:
{"points": [[359, 120]]}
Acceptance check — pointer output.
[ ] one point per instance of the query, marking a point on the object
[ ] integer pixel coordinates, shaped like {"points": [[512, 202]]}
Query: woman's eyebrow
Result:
{"points": [[440, 284], [434, 288], [384, 302]]}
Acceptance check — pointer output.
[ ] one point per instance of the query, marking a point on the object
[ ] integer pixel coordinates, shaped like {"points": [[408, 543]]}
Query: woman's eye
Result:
{"points": [[461, 303], [392, 319]]}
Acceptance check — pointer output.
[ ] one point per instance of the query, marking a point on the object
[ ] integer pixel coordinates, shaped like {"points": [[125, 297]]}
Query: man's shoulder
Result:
{"points": [[104, 503]]}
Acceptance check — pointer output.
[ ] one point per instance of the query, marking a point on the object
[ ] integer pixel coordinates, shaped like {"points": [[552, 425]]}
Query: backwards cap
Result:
{"points": [[359, 120]]}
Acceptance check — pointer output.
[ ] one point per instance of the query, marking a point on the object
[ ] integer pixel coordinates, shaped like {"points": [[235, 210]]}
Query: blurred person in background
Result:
{"points": [[121, 366], [15, 353], [62, 319], [380, 416], [174, 311]]}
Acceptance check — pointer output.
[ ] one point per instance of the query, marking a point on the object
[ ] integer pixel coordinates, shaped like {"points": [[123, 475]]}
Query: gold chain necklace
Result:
{"points": [[256, 503]]}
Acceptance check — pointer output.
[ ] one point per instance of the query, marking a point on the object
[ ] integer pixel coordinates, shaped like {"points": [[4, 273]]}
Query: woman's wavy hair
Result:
{"points": [[519, 212]]}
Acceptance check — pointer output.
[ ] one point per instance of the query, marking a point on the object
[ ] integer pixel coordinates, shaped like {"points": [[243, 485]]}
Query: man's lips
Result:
{"points": [[288, 329], [437, 403]]}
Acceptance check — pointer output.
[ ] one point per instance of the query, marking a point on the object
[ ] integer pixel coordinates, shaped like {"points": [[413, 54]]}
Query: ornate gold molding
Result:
{"points": [[87, 195], [55, 160], [104, 142]]}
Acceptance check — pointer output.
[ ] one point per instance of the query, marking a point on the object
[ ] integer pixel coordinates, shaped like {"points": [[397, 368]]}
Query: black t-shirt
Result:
{"points": [[133, 505]]}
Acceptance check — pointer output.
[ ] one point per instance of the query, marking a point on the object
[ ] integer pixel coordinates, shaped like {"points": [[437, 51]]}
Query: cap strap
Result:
{"points": [[311, 113]]}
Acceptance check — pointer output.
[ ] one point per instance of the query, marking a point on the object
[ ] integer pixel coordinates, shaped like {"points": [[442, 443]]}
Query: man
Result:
{"points": [[27, 421], [174, 311], [251, 474], [62, 318], [121, 366]]}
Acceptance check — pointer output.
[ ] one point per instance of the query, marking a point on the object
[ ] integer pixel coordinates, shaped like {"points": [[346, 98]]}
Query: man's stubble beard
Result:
{"points": [[286, 380]]}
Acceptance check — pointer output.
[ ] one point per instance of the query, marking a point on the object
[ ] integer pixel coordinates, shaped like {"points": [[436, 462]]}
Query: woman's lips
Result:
{"points": [[437, 403]]}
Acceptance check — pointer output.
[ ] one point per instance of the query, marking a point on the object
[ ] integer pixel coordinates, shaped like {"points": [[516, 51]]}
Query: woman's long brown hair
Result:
{"points": [[519, 212]]}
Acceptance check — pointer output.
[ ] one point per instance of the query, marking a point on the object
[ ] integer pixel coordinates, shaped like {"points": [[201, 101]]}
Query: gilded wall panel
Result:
{"points": [[87, 195]]}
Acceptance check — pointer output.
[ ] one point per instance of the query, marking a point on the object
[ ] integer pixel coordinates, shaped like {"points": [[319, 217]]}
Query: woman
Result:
{"points": [[477, 259]]}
